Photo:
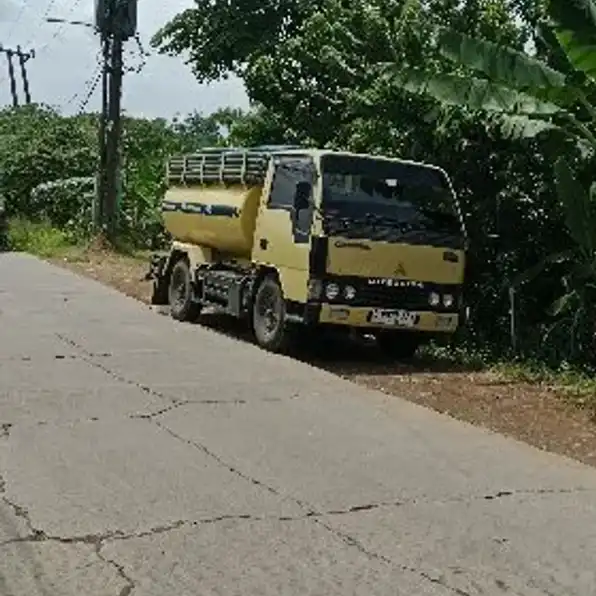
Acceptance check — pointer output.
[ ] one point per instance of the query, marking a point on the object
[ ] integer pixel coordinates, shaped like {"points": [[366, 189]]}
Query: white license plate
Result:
{"points": [[398, 318]]}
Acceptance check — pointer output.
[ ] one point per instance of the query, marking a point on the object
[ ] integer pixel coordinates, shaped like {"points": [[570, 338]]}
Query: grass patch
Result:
{"points": [[46, 241], [454, 358], [576, 384], [38, 238]]}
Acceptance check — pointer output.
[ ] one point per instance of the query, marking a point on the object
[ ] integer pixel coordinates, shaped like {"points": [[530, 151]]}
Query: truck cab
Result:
{"points": [[295, 238]]}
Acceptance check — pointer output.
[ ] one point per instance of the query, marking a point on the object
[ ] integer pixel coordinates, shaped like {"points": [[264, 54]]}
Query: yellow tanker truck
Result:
{"points": [[289, 238]]}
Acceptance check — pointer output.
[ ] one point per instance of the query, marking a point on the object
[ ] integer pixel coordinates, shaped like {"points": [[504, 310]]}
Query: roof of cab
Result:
{"points": [[318, 153]]}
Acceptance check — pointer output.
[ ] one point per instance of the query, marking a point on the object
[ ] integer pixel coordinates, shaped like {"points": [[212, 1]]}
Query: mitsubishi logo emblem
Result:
{"points": [[400, 270]]}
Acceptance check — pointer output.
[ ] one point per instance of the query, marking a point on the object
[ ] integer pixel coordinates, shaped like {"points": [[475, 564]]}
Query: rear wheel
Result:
{"points": [[269, 316], [181, 293], [398, 346]]}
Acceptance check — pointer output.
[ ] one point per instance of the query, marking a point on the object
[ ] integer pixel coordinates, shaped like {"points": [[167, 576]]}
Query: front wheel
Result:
{"points": [[181, 293], [398, 346], [269, 316]]}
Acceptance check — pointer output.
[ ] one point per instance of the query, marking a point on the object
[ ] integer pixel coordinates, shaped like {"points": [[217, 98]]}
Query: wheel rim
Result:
{"points": [[178, 289], [268, 310]]}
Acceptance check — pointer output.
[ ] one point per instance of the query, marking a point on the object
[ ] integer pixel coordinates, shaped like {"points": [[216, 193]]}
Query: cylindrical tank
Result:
{"points": [[215, 215]]}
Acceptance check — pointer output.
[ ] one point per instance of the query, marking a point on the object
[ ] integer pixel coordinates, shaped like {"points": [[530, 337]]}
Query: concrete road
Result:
{"points": [[143, 457]]}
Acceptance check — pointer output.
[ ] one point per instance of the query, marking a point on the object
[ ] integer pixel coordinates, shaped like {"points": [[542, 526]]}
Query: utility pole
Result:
{"points": [[102, 130], [114, 135], [116, 21], [13, 82], [23, 58]]}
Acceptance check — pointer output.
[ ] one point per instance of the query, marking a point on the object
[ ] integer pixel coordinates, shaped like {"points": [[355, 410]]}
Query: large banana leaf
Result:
{"points": [[575, 23], [522, 127], [559, 58], [475, 94], [499, 63], [563, 304], [537, 269], [579, 214], [512, 68], [581, 55], [576, 16]]}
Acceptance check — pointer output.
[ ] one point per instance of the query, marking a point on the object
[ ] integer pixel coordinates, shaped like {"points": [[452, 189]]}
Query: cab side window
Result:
{"points": [[283, 188]]}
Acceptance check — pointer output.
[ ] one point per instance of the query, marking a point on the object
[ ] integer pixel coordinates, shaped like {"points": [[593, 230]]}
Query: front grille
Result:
{"points": [[402, 294], [409, 298]]}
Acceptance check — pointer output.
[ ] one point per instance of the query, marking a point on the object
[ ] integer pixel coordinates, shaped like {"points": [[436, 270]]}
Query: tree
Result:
{"points": [[529, 97], [223, 37], [37, 145], [313, 64]]}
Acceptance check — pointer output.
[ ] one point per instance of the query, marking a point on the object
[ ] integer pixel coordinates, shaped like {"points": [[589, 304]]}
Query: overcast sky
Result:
{"points": [[67, 56]]}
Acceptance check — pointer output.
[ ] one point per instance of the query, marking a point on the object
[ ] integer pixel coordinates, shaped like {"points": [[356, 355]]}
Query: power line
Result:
{"points": [[142, 54], [43, 18], [48, 9], [92, 88], [89, 88], [62, 25], [17, 19]]}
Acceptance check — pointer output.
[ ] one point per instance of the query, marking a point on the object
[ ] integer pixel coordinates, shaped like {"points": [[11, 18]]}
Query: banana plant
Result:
{"points": [[527, 96], [524, 93]]}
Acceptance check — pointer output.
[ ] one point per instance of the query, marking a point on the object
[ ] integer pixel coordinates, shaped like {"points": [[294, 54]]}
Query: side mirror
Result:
{"points": [[302, 196]]}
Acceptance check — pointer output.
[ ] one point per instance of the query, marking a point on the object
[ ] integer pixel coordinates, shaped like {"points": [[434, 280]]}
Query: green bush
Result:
{"points": [[66, 204], [39, 238]]}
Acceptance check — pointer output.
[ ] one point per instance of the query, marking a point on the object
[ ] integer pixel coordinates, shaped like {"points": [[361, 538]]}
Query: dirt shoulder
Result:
{"points": [[537, 414]]}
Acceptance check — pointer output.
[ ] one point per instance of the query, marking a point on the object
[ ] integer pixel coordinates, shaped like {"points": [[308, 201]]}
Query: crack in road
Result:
{"points": [[98, 541], [309, 511], [88, 358], [37, 535], [353, 542], [204, 402], [212, 455], [25, 358], [6, 427], [129, 582]]}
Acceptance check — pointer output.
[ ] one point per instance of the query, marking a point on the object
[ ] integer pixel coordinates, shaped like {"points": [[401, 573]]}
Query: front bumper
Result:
{"points": [[359, 316]]}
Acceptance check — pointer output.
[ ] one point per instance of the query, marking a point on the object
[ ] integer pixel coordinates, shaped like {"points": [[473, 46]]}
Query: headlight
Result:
{"points": [[448, 301], [332, 291], [434, 299], [350, 292]]}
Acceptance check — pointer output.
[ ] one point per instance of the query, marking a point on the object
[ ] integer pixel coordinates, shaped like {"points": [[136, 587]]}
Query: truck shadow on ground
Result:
{"points": [[338, 353]]}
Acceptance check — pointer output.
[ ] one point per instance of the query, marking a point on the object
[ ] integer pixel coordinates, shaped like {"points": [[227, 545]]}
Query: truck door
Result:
{"points": [[283, 227]]}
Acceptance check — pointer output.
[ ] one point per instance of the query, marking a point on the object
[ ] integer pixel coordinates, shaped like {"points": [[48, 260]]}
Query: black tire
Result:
{"points": [[180, 293], [398, 346], [269, 317]]}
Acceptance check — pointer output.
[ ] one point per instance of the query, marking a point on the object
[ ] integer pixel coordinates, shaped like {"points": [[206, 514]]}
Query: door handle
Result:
{"points": [[263, 243]]}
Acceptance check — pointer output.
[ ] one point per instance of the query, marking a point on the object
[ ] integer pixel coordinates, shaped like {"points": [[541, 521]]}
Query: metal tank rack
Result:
{"points": [[223, 165]]}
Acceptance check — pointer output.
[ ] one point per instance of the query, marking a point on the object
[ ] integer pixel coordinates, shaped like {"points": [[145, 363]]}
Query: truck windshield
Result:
{"points": [[392, 201]]}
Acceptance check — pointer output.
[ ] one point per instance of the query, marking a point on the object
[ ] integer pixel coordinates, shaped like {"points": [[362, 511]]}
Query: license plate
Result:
{"points": [[398, 318]]}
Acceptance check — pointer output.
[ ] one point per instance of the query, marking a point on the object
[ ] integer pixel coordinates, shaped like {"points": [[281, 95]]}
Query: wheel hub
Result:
{"points": [[268, 311], [179, 289]]}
